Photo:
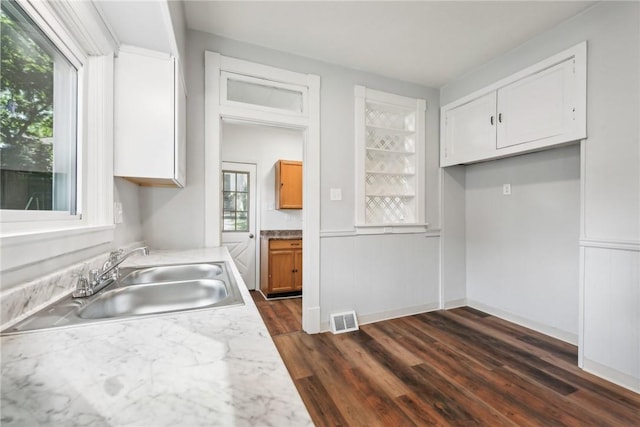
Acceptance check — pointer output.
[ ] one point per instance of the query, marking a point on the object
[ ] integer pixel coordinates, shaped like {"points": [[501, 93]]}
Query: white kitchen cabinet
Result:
{"points": [[536, 108], [150, 118], [539, 107], [470, 130]]}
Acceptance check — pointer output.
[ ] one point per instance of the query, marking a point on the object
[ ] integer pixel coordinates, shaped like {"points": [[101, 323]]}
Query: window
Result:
{"points": [[262, 94], [56, 146], [235, 204], [390, 155], [38, 99]]}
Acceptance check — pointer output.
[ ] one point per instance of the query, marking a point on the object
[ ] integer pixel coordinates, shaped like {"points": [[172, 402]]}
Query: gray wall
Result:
{"points": [[130, 230], [522, 250], [609, 243], [174, 218]]}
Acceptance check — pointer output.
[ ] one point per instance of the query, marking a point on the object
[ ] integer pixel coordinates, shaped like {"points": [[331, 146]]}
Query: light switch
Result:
{"points": [[117, 213], [506, 189], [335, 194]]}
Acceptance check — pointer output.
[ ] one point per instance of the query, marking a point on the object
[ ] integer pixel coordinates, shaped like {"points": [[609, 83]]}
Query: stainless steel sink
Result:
{"points": [[143, 291], [163, 273], [158, 297]]}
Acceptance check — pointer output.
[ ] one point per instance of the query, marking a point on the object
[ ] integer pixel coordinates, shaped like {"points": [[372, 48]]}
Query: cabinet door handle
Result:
{"points": [[491, 120], [499, 117]]}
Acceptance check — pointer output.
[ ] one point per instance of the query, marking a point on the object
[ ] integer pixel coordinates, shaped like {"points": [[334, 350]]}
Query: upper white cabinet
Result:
{"points": [[150, 118], [541, 106], [470, 131]]}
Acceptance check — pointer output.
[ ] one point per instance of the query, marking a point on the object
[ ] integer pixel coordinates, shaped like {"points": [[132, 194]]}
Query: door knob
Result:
{"points": [[251, 236]]}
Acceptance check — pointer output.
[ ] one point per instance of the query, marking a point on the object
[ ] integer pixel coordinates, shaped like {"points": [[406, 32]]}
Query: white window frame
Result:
{"points": [[28, 237], [225, 76], [419, 107]]}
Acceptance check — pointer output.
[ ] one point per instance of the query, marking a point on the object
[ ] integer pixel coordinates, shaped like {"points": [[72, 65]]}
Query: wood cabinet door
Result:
{"points": [[297, 270], [289, 185], [281, 268], [537, 107], [470, 131]]}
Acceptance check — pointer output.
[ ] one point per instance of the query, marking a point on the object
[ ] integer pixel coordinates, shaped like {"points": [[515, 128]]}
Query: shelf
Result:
{"points": [[392, 130], [402, 196], [396, 152], [391, 173]]}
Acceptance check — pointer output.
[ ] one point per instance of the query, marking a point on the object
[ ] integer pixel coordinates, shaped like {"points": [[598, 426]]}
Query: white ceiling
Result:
{"points": [[425, 42]]}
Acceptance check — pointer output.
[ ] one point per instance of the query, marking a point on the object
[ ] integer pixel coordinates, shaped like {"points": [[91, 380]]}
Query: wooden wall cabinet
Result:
{"points": [[281, 267], [149, 118], [288, 184], [539, 107]]}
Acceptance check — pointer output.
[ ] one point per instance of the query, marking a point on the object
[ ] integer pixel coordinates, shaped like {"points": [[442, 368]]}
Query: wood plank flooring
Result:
{"points": [[459, 367]]}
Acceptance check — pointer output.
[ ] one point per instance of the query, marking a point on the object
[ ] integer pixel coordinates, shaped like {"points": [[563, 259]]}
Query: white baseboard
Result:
{"points": [[387, 315], [311, 320], [612, 375], [456, 303], [527, 323]]}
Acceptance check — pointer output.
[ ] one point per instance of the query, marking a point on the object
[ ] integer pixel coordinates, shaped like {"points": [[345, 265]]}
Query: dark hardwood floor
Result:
{"points": [[459, 367]]}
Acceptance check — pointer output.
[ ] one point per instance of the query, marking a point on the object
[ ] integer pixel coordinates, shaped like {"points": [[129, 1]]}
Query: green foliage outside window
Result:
{"points": [[26, 100]]}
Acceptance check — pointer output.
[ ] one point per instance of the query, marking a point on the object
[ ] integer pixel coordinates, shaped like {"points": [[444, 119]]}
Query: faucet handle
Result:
{"points": [[82, 286], [93, 276]]}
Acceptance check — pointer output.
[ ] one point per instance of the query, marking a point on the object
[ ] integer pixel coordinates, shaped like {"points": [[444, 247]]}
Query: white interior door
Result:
{"points": [[239, 217]]}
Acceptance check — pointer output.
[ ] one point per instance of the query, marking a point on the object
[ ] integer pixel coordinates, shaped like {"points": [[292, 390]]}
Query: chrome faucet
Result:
{"points": [[98, 279]]}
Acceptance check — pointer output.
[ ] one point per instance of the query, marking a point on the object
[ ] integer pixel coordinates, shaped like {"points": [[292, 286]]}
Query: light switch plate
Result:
{"points": [[117, 213], [506, 189], [335, 194]]}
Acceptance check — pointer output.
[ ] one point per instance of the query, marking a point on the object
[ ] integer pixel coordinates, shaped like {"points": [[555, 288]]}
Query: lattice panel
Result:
{"points": [[393, 119], [376, 161], [387, 210], [381, 140], [389, 184]]}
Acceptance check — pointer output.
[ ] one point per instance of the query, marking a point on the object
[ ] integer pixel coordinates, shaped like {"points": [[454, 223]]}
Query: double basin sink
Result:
{"points": [[143, 291]]}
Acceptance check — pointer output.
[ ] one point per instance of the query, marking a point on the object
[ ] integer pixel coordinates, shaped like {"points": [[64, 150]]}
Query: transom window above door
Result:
{"points": [[267, 95], [235, 201]]}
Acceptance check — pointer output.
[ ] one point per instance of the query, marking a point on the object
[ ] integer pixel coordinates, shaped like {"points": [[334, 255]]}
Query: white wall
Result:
{"points": [[264, 146], [610, 177], [379, 277], [454, 258]]}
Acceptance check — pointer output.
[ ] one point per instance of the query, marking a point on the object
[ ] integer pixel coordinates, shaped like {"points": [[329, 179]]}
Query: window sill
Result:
{"points": [[20, 250]]}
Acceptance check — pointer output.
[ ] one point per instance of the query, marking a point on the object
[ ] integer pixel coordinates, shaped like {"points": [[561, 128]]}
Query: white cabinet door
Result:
{"points": [[180, 129], [469, 131], [149, 118], [536, 108]]}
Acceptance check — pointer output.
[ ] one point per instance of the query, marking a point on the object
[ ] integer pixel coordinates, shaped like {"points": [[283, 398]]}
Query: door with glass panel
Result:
{"points": [[239, 217]]}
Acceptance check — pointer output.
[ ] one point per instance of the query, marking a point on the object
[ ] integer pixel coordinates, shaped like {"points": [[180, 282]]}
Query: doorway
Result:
{"points": [[224, 102], [250, 151]]}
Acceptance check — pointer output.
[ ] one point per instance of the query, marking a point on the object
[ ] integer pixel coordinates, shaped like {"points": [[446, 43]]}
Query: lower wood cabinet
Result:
{"points": [[281, 266]]}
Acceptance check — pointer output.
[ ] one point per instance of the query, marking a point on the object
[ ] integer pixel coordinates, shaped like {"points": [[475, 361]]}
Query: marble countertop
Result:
{"points": [[216, 367]]}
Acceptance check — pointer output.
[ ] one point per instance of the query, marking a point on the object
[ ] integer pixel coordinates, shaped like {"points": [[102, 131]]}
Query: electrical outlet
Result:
{"points": [[506, 189], [335, 194]]}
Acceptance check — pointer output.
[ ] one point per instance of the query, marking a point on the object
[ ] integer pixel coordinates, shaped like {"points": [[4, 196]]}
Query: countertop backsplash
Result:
{"points": [[21, 301], [281, 234]]}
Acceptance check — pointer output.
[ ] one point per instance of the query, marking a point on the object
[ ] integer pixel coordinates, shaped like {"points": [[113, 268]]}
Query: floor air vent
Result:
{"points": [[344, 322]]}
